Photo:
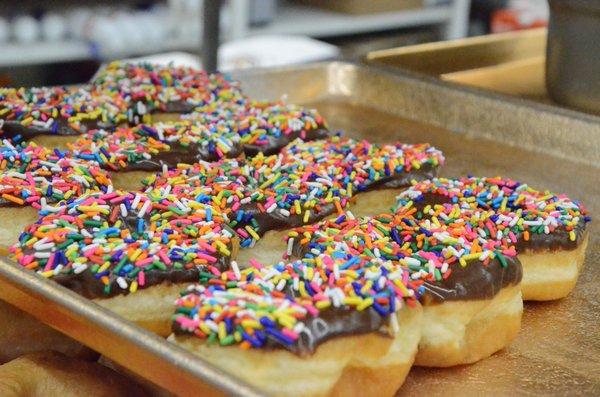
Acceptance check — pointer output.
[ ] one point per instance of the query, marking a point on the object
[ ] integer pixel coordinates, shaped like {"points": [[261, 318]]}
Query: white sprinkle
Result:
{"points": [[122, 283], [136, 201], [281, 285], [236, 270]]}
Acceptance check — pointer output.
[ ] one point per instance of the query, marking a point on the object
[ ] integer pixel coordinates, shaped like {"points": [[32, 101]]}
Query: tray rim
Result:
{"points": [[405, 74], [525, 111], [192, 369]]}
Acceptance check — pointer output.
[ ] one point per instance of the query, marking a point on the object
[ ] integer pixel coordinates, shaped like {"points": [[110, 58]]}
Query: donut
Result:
{"points": [[129, 252], [32, 177], [54, 374], [133, 153], [154, 88], [307, 182], [120, 94], [143, 150], [22, 334], [547, 230], [469, 288], [29, 112], [264, 127], [331, 324]]}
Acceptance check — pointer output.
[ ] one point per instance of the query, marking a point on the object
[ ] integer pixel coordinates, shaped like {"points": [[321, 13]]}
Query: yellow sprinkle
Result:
{"points": [[222, 331], [252, 233], [306, 216], [468, 257], [364, 304], [204, 328], [323, 304], [135, 254], [104, 267], [352, 300], [93, 208], [250, 324]]}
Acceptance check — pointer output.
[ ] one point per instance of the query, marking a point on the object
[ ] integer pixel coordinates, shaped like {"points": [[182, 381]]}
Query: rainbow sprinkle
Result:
{"points": [[125, 241], [33, 175], [518, 213], [303, 184]]}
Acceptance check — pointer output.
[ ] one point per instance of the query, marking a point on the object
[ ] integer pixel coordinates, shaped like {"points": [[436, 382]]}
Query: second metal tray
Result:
{"points": [[556, 351]]}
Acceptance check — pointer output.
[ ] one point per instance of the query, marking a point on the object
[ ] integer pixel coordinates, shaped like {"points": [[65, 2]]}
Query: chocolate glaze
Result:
{"points": [[88, 285], [179, 107], [12, 128], [555, 241], [178, 154], [275, 144], [331, 323], [476, 281]]}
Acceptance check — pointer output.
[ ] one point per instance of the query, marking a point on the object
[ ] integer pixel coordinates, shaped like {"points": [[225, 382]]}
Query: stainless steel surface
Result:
{"points": [[558, 349]]}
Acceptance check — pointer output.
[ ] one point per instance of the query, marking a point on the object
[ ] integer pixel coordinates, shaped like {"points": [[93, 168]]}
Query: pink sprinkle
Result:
{"points": [[254, 263], [214, 270], [289, 333], [118, 199], [311, 309], [143, 262], [315, 286], [50, 262], [209, 258], [141, 278], [164, 257], [206, 247], [27, 259]]}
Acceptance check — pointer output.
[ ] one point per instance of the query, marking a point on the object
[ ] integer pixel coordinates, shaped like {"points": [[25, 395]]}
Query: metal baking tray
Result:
{"points": [[557, 351]]}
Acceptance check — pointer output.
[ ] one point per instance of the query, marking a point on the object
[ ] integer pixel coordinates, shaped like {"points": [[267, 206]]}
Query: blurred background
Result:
{"points": [[64, 41]]}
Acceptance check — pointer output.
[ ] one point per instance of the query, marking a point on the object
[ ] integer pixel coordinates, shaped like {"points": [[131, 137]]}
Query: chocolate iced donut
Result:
{"points": [[469, 290], [547, 230], [28, 112], [307, 182], [32, 177], [153, 88], [350, 319], [265, 127], [121, 93], [130, 252], [150, 148]]}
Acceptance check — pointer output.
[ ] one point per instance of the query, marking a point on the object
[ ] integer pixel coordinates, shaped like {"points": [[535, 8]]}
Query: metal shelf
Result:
{"points": [[321, 23], [316, 22]]}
